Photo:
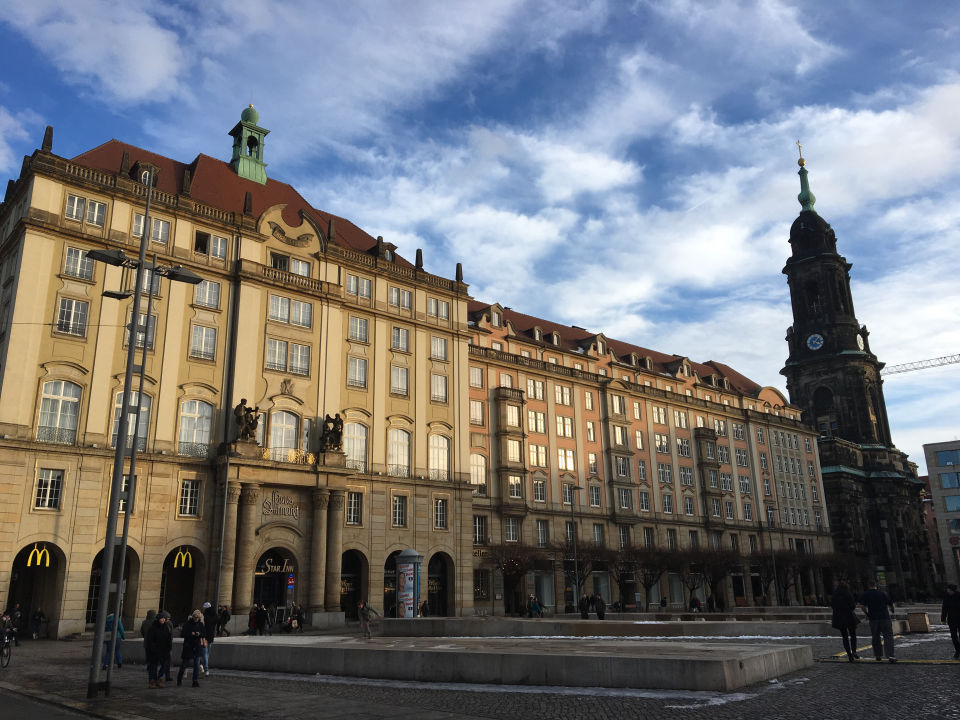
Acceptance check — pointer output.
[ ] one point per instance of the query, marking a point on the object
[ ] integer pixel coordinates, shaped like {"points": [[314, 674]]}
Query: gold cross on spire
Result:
{"points": [[801, 162]]}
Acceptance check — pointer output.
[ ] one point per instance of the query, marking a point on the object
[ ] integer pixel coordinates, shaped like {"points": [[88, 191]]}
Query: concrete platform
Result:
{"points": [[565, 662]]}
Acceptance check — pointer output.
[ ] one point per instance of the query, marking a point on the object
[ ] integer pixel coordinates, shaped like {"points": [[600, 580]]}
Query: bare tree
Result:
{"points": [[514, 561], [691, 564], [786, 572], [623, 564], [652, 563], [587, 554], [763, 563], [718, 564]]}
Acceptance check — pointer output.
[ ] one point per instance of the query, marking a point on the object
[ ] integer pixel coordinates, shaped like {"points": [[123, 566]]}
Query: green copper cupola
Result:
{"points": [[806, 197], [248, 139]]}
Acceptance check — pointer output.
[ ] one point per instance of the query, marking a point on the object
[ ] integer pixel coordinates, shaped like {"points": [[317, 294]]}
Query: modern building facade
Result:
{"points": [[943, 468], [463, 423], [873, 493]]}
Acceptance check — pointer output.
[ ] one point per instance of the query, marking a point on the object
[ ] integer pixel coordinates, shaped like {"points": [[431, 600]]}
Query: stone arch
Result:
{"points": [[441, 582], [276, 578], [180, 592], [36, 582], [131, 586], [354, 581]]}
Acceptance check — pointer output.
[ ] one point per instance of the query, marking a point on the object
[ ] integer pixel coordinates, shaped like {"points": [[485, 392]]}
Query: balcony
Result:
{"points": [[443, 475], [288, 455], [60, 436], [354, 464], [197, 450], [398, 471]]}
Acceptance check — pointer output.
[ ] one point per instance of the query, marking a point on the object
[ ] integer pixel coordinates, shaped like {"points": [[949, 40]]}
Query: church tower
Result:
{"points": [[873, 494], [248, 137]]}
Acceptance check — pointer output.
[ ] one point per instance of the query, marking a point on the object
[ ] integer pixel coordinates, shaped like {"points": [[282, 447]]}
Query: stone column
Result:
{"points": [[318, 549], [245, 563], [748, 585], [331, 593], [229, 545]]}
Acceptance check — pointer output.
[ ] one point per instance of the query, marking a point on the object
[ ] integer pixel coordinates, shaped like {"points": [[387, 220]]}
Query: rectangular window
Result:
{"points": [[438, 388], [399, 380], [476, 377], [591, 431], [514, 486], [438, 308], [588, 400], [738, 433], [598, 534], [565, 459], [299, 361], [479, 529], [624, 498], [622, 466], [662, 442], [189, 505], [636, 411], [438, 348], [536, 422], [683, 447], [357, 372], [686, 476], [592, 467], [400, 340], [668, 504], [513, 416], [720, 426], [623, 536], [680, 418], [716, 507], [728, 506], [595, 496], [639, 439], [539, 490], [644, 501], [400, 298], [354, 514], [665, 472], [218, 247], [744, 485], [618, 404], [747, 512], [203, 343], [949, 480], [78, 265], [563, 395], [659, 415], [513, 450], [476, 413], [543, 533], [620, 436], [75, 207], [564, 426], [763, 461], [276, 354], [688, 508], [279, 309], [641, 470], [538, 455], [49, 489], [760, 435], [535, 389], [359, 329], [511, 529], [399, 511], [72, 317], [439, 514], [301, 313], [207, 294], [741, 457], [723, 453]]}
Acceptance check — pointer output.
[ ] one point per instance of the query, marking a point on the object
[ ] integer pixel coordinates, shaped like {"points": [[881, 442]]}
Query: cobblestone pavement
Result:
{"points": [[925, 683]]}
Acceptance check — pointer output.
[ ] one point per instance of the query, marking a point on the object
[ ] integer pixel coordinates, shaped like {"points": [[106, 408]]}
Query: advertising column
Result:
{"points": [[408, 583]]}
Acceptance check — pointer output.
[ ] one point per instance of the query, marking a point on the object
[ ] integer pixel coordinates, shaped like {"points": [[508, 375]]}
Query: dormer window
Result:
{"points": [[496, 319], [555, 338], [537, 334], [601, 348]]}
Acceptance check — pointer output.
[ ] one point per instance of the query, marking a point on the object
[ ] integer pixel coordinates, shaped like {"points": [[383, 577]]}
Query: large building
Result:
{"points": [[943, 466], [465, 425], [873, 493]]}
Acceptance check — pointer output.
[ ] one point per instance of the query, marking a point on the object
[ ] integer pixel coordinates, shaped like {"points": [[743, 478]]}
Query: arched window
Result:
{"points": [[478, 472], [439, 457], [196, 419], [142, 429], [59, 410], [355, 445], [398, 453], [283, 434]]}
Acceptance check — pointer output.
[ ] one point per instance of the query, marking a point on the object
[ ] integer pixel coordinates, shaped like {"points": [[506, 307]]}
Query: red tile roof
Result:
{"points": [[215, 183]]}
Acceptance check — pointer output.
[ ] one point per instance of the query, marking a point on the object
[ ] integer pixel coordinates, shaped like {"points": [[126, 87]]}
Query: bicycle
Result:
{"points": [[6, 650]]}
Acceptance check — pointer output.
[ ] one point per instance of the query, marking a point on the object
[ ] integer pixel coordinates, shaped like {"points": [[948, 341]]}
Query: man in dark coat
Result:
{"points": [[845, 618], [193, 635], [600, 606], [950, 614], [875, 603], [157, 646], [584, 607]]}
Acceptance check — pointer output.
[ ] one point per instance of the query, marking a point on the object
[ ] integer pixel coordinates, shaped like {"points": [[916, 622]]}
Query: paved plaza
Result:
{"points": [[924, 683]]}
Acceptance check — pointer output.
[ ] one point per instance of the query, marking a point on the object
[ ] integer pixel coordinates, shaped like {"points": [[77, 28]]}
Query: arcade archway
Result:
{"points": [[353, 586], [275, 581], [178, 587], [390, 585], [440, 598], [36, 582], [130, 584]]}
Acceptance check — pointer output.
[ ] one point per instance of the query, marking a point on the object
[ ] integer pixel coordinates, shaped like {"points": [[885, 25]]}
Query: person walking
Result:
{"points": [[168, 626], [37, 622], [600, 606], [147, 623], [950, 614], [209, 635], [584, 607], [16, 620], [121, 635], [876, 604], [363, 612], [845, 618], [192, 635], [157, 644], [260, 618]]}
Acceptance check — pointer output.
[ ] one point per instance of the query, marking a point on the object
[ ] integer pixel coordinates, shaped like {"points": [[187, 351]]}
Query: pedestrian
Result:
{"points": [[193, 635], [845, 618], [600, 606], [584, 607], [37, 622], [147, 623], [363, 612], [950, 614], [270, 614], [16, 621], [157, 644], [209, 635], [876, 604], [300, 618], [168, 626], [121, 634], [260, 618]]}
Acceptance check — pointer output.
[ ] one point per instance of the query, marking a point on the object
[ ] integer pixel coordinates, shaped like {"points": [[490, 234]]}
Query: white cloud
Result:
{"points": [[13, 128]]}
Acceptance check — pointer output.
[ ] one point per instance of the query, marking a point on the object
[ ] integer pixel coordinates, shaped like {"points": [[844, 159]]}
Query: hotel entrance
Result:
{"points": [[275, 582]]}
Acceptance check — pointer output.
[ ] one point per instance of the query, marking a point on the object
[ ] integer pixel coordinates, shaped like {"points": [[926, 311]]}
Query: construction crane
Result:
{"points": [[920, 365]]}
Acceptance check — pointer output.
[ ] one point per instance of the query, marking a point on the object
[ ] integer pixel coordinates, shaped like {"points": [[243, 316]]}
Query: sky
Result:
{"points": [[628, 167]]}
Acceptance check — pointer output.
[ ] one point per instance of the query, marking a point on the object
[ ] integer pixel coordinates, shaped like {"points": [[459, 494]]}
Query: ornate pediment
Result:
{"points": [[306, 234]]}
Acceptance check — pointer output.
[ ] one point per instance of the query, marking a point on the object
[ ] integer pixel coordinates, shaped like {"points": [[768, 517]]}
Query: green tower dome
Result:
{"points": [[250, 115]]}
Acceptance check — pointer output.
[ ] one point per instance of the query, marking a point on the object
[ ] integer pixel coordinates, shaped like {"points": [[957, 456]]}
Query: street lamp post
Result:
{"points": [[119, 259], [773, 554]]}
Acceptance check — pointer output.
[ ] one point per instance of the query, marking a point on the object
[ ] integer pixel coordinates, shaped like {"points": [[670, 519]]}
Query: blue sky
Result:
{"points": [[628, 167]]}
